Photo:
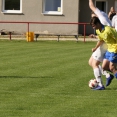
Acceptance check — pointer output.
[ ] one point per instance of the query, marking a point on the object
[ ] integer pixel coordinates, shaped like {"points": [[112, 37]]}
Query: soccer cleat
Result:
{"points": [[109, 80], [99, 88]]}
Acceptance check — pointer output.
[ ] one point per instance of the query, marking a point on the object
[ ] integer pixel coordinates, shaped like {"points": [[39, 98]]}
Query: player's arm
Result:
{"points": [[100, 42], [93, 36], [91, 5]]}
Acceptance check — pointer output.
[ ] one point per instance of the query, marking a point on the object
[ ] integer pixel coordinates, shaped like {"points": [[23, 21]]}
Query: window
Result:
{"points": [[12, 6], [53, 7]]}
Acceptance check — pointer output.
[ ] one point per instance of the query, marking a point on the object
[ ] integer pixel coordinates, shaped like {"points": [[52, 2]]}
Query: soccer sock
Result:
{"points": [[106, 73], [97, 74], [99, 66]]}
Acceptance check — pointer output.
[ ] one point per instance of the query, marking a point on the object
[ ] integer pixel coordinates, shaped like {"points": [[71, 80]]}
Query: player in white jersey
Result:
{"points": [[98, 55], [114, 22]]}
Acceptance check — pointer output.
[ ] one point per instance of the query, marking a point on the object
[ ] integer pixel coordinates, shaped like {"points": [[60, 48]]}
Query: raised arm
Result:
{"points": [[91, 5]]}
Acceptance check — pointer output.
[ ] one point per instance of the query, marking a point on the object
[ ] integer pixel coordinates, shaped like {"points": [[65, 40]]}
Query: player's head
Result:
{"points": [[95, 23]]}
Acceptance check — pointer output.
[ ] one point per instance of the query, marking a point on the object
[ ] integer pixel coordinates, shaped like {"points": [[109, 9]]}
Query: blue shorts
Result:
{"points": [[111, 56]]}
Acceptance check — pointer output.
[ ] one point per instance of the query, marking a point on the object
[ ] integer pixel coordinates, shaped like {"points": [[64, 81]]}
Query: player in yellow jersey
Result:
{"points": [[108, 35], [98, 55]]}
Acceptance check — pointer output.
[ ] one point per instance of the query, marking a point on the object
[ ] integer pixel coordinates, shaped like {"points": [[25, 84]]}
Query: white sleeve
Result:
{"points": [[103, 17], [98, 13], [113, 22]]}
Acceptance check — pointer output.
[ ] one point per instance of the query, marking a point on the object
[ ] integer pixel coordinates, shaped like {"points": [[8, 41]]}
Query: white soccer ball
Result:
{"points": [[93, 83]]}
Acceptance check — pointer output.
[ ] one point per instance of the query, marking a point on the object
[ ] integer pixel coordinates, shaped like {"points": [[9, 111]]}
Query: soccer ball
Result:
{"points": [[93, 83]]}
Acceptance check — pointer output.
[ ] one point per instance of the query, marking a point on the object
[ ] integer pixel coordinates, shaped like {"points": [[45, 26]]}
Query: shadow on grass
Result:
{"points": [[25, 77]]}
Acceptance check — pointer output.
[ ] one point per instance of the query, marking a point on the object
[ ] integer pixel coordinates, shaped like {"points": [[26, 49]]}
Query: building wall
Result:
{"points": [[73, 11], [32, 12]]}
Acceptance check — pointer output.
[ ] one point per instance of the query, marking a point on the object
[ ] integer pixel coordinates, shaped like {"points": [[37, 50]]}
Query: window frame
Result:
{"points": [[11, 11], [52, 12]]}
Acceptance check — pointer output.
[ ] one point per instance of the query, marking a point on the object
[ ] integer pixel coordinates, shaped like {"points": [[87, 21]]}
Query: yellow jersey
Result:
{"points": [[109, 36]]}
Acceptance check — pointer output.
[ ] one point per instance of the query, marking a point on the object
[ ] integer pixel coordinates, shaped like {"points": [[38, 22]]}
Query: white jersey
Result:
{"points": [[114, 22], [103, 17], [99, 53]]}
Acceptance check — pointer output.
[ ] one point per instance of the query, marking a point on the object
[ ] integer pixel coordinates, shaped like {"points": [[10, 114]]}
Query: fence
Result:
{"points": [[28, 25]]}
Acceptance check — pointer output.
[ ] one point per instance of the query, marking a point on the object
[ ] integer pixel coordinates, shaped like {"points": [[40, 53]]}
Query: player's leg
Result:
{"points": [[105, 66], [106, 72], [113, 63], [113, 68], [94, 62], [90, 61], [109, 76], [97, 72]]}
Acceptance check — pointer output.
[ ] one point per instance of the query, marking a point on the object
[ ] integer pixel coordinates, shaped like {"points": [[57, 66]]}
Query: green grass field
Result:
{"points": [[50, 79]]}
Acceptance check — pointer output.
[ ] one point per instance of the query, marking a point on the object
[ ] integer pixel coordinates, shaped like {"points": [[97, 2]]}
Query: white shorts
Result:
{"points": [[100, 52]]}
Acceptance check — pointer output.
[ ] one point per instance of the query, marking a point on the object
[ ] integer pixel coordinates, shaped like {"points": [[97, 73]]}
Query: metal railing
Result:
{"points": [[28, 25]]}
